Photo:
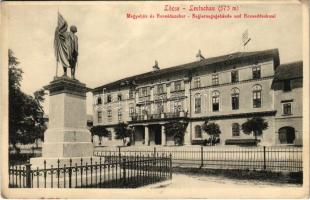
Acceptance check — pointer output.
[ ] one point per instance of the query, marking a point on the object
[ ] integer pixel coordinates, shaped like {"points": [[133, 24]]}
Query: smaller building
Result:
{"points": [[287, 85]]}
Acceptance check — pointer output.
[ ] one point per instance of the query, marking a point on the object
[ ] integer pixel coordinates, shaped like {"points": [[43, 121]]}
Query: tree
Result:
{"points": [[26, 116], [213, 130], [122, 131], [255, 125], [176, 130], [100, 131]]}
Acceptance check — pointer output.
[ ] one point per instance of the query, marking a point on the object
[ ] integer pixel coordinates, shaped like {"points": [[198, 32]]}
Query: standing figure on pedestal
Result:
{"points": [[66, 46]]}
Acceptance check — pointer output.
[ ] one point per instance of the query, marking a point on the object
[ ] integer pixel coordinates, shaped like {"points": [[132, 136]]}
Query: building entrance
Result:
{"points": [[157, 131], [287, 135]]}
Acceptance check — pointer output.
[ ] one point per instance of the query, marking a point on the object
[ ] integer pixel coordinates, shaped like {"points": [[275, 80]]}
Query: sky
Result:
{"points": [[112, 47]]}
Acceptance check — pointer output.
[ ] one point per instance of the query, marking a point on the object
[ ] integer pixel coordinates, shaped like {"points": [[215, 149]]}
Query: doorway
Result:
{"points": [[287, 135], [157, 132]]}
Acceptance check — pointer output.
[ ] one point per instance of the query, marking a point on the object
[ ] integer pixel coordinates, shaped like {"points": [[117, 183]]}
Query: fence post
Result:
{"points": [[170, 165], [124, 171], [119, 154], [154, 156], [264, 157], [201, 149], [28, 175], [70, 173]]}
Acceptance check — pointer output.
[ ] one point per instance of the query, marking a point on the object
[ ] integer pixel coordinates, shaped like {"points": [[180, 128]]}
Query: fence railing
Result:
{"points": [[250, 158], [113, 171]]}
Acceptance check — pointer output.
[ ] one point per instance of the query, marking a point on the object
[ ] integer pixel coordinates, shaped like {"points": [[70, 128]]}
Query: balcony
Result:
{"points": [[158, 116], [177, 94], [144, 100]]}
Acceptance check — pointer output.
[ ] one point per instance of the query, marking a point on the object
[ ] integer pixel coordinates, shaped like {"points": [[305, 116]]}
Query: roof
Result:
{"points": [[244, 57], [289, 71]]}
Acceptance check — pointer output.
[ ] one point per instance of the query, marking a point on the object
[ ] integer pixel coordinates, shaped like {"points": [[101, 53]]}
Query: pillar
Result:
{"points": [[163, 135], [146, 136]]}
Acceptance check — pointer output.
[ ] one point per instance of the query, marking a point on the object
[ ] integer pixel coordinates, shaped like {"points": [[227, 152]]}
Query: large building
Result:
{"points": [[226, 90]]}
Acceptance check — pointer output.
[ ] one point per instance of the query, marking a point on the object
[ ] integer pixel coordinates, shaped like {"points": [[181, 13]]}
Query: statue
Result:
{"points": [[66, 46]]}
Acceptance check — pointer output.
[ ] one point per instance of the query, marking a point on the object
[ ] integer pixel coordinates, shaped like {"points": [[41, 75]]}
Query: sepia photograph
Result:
{"points": [[155, 99]]}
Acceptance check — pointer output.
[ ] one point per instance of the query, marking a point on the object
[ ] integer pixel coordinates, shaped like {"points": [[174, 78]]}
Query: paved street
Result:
{"points": [[196, 181]]}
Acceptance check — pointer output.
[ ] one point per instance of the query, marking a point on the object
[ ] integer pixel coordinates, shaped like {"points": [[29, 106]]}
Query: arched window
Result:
{"points": [[197, 103], [215, 101], [287, 135], [235, 98], [99, 101], [257, 96], [235, 129], [198, 131]]}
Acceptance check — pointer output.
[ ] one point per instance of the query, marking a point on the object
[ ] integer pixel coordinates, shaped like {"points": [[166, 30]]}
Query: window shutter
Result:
{"points": [[105, 98], [172, 86], [140, 92], [155, 89], [148, 91], [164, 88], [182, 85]]}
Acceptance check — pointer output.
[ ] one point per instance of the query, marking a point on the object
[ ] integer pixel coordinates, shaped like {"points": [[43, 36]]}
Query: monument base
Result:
{"points": [[61, 162]]}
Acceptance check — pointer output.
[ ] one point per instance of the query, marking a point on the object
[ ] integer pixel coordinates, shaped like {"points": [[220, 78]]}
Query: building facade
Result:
{"points": [[226, 90]]}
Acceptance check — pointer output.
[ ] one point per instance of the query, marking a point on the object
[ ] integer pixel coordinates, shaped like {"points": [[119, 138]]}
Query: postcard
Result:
{"points": [[155, 99]]}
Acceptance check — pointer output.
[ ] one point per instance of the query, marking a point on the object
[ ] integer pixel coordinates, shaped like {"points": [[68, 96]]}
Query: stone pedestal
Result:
{"points": [[67, 136]]}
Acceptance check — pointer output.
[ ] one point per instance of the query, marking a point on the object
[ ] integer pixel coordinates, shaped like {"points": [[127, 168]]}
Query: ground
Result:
{"points": [[189, 181]]}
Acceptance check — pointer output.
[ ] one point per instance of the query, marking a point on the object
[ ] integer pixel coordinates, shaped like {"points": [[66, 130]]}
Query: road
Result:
{"points": [[187, 181]]}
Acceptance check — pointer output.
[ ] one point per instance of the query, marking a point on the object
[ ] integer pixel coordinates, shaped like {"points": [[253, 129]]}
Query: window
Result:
{"points": [[287, 109], [109, 112], [160, 89], [131, 94], [197, 104], [177, 86], [256, 72], [159, 108], [234, 76], [119, 97], [198, 132], [235, 129], [215, 101], [287, 85], [197, 82], [99, 117], [109, 98], [119, 115], [257, 100], [131, 110], [99, 101], [215, 79], [235, 99], [144, 92], [176, 106]]}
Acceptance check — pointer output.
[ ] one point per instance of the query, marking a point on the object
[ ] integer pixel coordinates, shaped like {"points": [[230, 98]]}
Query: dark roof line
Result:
{"points": [[196, 64], [290, 70]]}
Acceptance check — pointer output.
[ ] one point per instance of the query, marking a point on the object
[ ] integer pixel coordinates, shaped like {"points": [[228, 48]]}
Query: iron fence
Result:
{"points": [[112, 171], [248, 158]]}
